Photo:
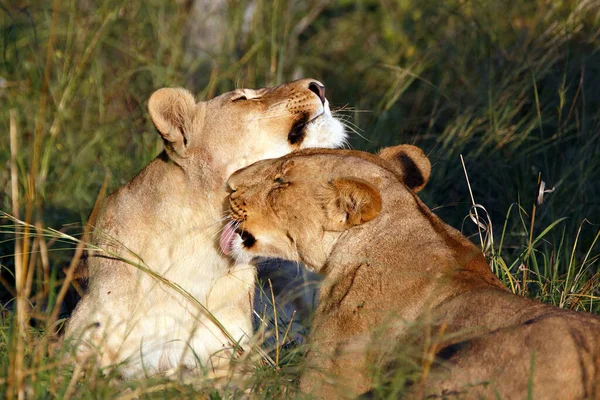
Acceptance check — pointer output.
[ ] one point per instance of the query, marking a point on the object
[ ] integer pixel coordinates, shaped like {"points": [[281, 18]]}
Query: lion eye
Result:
{"points": [[239, 98], [281, 183]]}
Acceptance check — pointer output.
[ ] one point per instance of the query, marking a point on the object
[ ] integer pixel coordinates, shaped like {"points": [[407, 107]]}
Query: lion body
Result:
{"points": [[153, 317], [397, 278]]}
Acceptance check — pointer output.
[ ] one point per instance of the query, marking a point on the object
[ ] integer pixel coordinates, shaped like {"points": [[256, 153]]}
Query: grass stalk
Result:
{"points": [[430, 352], [473, 203], [275, 318], [44, 258], [530, 244], [287, 330], [16, 358], [570, 270], [22, 252]]}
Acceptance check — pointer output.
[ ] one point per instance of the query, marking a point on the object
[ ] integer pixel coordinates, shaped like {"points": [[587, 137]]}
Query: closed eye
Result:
{"points": [[239, 98], [280, 185]]}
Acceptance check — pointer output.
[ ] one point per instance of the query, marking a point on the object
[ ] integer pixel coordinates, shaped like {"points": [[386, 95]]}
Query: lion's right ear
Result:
{"points": [[410, 162], [351, 201], [172, 111]]}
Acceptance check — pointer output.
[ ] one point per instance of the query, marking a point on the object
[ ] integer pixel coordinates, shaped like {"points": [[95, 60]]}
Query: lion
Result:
{"points": [[390, 265], [161, 295]]}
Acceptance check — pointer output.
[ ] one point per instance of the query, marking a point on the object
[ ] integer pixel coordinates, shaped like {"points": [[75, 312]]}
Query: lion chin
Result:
{"points": [[158, 281], [397, 278]]}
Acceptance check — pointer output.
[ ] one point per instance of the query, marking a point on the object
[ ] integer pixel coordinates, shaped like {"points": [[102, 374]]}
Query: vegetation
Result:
{"points": [[511, 86]]}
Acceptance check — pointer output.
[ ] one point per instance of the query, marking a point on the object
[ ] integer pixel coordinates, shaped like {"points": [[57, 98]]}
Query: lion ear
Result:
{"points": [[410, 162], [172, 111], [351, 201]]}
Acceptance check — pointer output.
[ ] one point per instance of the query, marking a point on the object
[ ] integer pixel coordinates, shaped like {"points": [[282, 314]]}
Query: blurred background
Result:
{"points": [[513, 86]]}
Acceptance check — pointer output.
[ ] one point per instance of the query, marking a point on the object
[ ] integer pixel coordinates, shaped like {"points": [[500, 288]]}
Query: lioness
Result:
{"points": [[389, 262], [168, 220]]}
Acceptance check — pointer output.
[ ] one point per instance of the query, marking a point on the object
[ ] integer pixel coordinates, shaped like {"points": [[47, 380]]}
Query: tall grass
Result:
{"points": [[512, 86]]}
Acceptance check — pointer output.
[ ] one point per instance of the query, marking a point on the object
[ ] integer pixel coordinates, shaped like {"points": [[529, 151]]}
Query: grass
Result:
{"points": [[511, 86]]}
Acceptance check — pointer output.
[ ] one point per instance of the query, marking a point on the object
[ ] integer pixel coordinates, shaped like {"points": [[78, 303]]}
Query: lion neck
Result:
{"points": [[412, 254], [173, 182]]}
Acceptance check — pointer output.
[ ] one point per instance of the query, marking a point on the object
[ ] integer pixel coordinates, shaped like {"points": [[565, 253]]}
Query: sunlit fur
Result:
{"points": [[396, 277], [168, 219]]}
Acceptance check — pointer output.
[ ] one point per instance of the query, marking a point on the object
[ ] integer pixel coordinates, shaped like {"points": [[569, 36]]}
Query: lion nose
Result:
{"points": [[231, 187], [318, 89], [233, 198]]}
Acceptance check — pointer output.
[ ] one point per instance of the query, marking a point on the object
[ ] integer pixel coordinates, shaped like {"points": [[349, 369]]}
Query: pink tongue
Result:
{"points": [[226, 238]]}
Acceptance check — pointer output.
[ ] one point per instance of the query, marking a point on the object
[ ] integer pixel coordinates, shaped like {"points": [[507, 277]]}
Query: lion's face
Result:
{"points": [[297, 207], [240, 127]]}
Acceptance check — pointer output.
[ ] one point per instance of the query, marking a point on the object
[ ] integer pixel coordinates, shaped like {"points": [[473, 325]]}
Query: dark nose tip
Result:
{"points": [[317, 89]]}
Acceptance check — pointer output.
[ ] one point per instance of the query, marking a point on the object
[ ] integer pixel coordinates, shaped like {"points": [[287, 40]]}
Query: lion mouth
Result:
{"points": [[228, 235], [248, 239], [298, 131], [226, 239]]}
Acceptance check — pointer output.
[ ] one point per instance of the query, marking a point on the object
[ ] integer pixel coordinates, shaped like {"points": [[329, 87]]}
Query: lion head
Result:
{"points": [[296, 207], [240, 127]]}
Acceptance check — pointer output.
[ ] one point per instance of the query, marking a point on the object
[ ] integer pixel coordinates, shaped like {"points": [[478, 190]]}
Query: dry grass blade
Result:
{"points": [[485, 224], [45, 258], [14, 173], [16, 358], [277, 347], [473, 203], [74, 378], [530, 245], [430, 350], [287, 330], [16, 368]]}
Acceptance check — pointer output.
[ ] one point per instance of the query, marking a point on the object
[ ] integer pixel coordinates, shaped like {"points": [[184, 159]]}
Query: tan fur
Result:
{"points": [[168, 219], [404, 280]]}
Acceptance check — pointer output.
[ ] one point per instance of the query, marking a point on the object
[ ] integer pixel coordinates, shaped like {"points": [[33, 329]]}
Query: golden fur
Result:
{"points": [[168, 219], [392, 268]]}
